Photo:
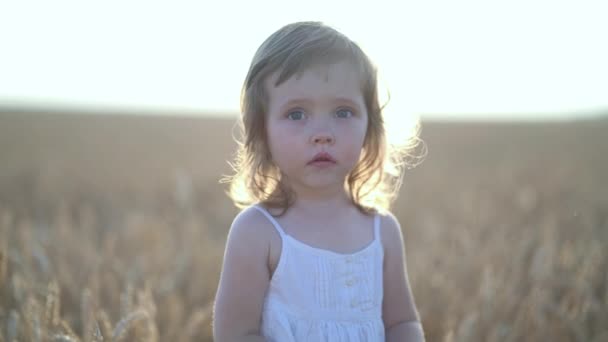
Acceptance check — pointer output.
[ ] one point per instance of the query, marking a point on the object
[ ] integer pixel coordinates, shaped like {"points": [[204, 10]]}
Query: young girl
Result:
{"points": [[314, 255]]}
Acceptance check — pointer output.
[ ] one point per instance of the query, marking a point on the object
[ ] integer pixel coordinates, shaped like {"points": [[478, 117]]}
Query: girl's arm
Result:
{"points": [[243, 281], [399, 311]]}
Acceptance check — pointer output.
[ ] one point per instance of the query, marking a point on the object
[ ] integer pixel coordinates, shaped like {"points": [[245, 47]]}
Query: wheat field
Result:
{"points": [[112, 228]]}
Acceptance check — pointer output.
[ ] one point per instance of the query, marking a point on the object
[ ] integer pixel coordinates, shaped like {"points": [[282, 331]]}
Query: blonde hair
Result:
{"points": [[373, 183]]}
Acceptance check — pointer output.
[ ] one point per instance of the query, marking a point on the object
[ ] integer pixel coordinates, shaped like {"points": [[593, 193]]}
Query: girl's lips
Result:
{"points": [[322, 158], [322, 164]]}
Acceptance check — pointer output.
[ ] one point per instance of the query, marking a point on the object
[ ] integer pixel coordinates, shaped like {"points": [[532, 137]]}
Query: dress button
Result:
{"points": [[350, 282], [349, 259], [353, 303]]}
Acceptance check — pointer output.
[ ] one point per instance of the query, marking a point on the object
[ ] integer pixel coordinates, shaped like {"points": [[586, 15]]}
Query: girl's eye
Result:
{"points": [[296, 115], [344, 113]]}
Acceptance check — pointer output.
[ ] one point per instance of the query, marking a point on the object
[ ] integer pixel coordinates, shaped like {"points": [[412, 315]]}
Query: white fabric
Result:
{"points": [[320, 295]]}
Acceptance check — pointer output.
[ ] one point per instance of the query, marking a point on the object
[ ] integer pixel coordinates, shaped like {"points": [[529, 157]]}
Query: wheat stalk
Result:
{"points": [[12, 329], [137, 323], [87, 316], [105, 326], [126, 300], [5, 222], [52, 307], [63, 338]]}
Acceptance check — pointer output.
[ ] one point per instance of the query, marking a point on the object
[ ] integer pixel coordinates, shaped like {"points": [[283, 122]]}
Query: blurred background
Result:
{"points": [[117, 122]]}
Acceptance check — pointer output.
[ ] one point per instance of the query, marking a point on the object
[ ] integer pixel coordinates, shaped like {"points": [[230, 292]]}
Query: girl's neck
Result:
{"points": [[325, 204]]}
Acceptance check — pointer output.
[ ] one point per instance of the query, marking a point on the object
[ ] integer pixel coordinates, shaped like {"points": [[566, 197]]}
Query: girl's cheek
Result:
{"points": [[354, 155]]}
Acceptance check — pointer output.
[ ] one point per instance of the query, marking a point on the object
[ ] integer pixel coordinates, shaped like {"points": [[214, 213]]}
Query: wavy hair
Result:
{"points": [[373, 183]]}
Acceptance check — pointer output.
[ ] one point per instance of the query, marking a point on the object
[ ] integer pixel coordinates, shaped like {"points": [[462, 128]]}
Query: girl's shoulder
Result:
{"points": [[250, 216], [388, 219], [390, 230], [250, 228]]}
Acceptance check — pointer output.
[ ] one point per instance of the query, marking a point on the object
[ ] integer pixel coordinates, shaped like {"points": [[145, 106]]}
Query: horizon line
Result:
{"points": [[7, 107]]}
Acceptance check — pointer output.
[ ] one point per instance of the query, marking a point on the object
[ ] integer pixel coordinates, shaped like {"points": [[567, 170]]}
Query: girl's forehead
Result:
{"points": [[324, 71], [341, 76]]}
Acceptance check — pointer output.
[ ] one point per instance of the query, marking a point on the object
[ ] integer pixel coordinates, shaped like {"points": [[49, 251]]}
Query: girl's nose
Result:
{"points": [[323, 138]]}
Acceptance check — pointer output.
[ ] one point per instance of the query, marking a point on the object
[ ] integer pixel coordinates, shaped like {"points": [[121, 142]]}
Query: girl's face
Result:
{"points": [[316, 124]]}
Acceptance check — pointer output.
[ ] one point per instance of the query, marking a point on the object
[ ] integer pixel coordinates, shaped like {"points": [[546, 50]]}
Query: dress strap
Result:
{"points": [[272, 220], [377, 227]]}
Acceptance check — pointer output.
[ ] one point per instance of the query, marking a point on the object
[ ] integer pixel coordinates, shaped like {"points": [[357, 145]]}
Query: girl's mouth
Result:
{"points": [[322, 159]]}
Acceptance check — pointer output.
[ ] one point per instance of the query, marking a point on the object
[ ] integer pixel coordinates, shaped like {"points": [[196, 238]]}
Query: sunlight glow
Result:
{"points": [[442, 58]]}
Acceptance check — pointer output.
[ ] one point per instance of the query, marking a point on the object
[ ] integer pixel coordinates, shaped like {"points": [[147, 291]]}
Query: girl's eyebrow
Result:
{"points": [[348, 101], [294, 102], [305, 101]]}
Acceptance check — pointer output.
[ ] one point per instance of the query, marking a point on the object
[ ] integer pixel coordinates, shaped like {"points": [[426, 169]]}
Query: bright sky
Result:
{"points": [[442, 57]]}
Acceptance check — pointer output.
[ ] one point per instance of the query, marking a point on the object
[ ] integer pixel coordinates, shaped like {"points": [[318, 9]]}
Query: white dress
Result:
{"points": [[320, 295]]}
